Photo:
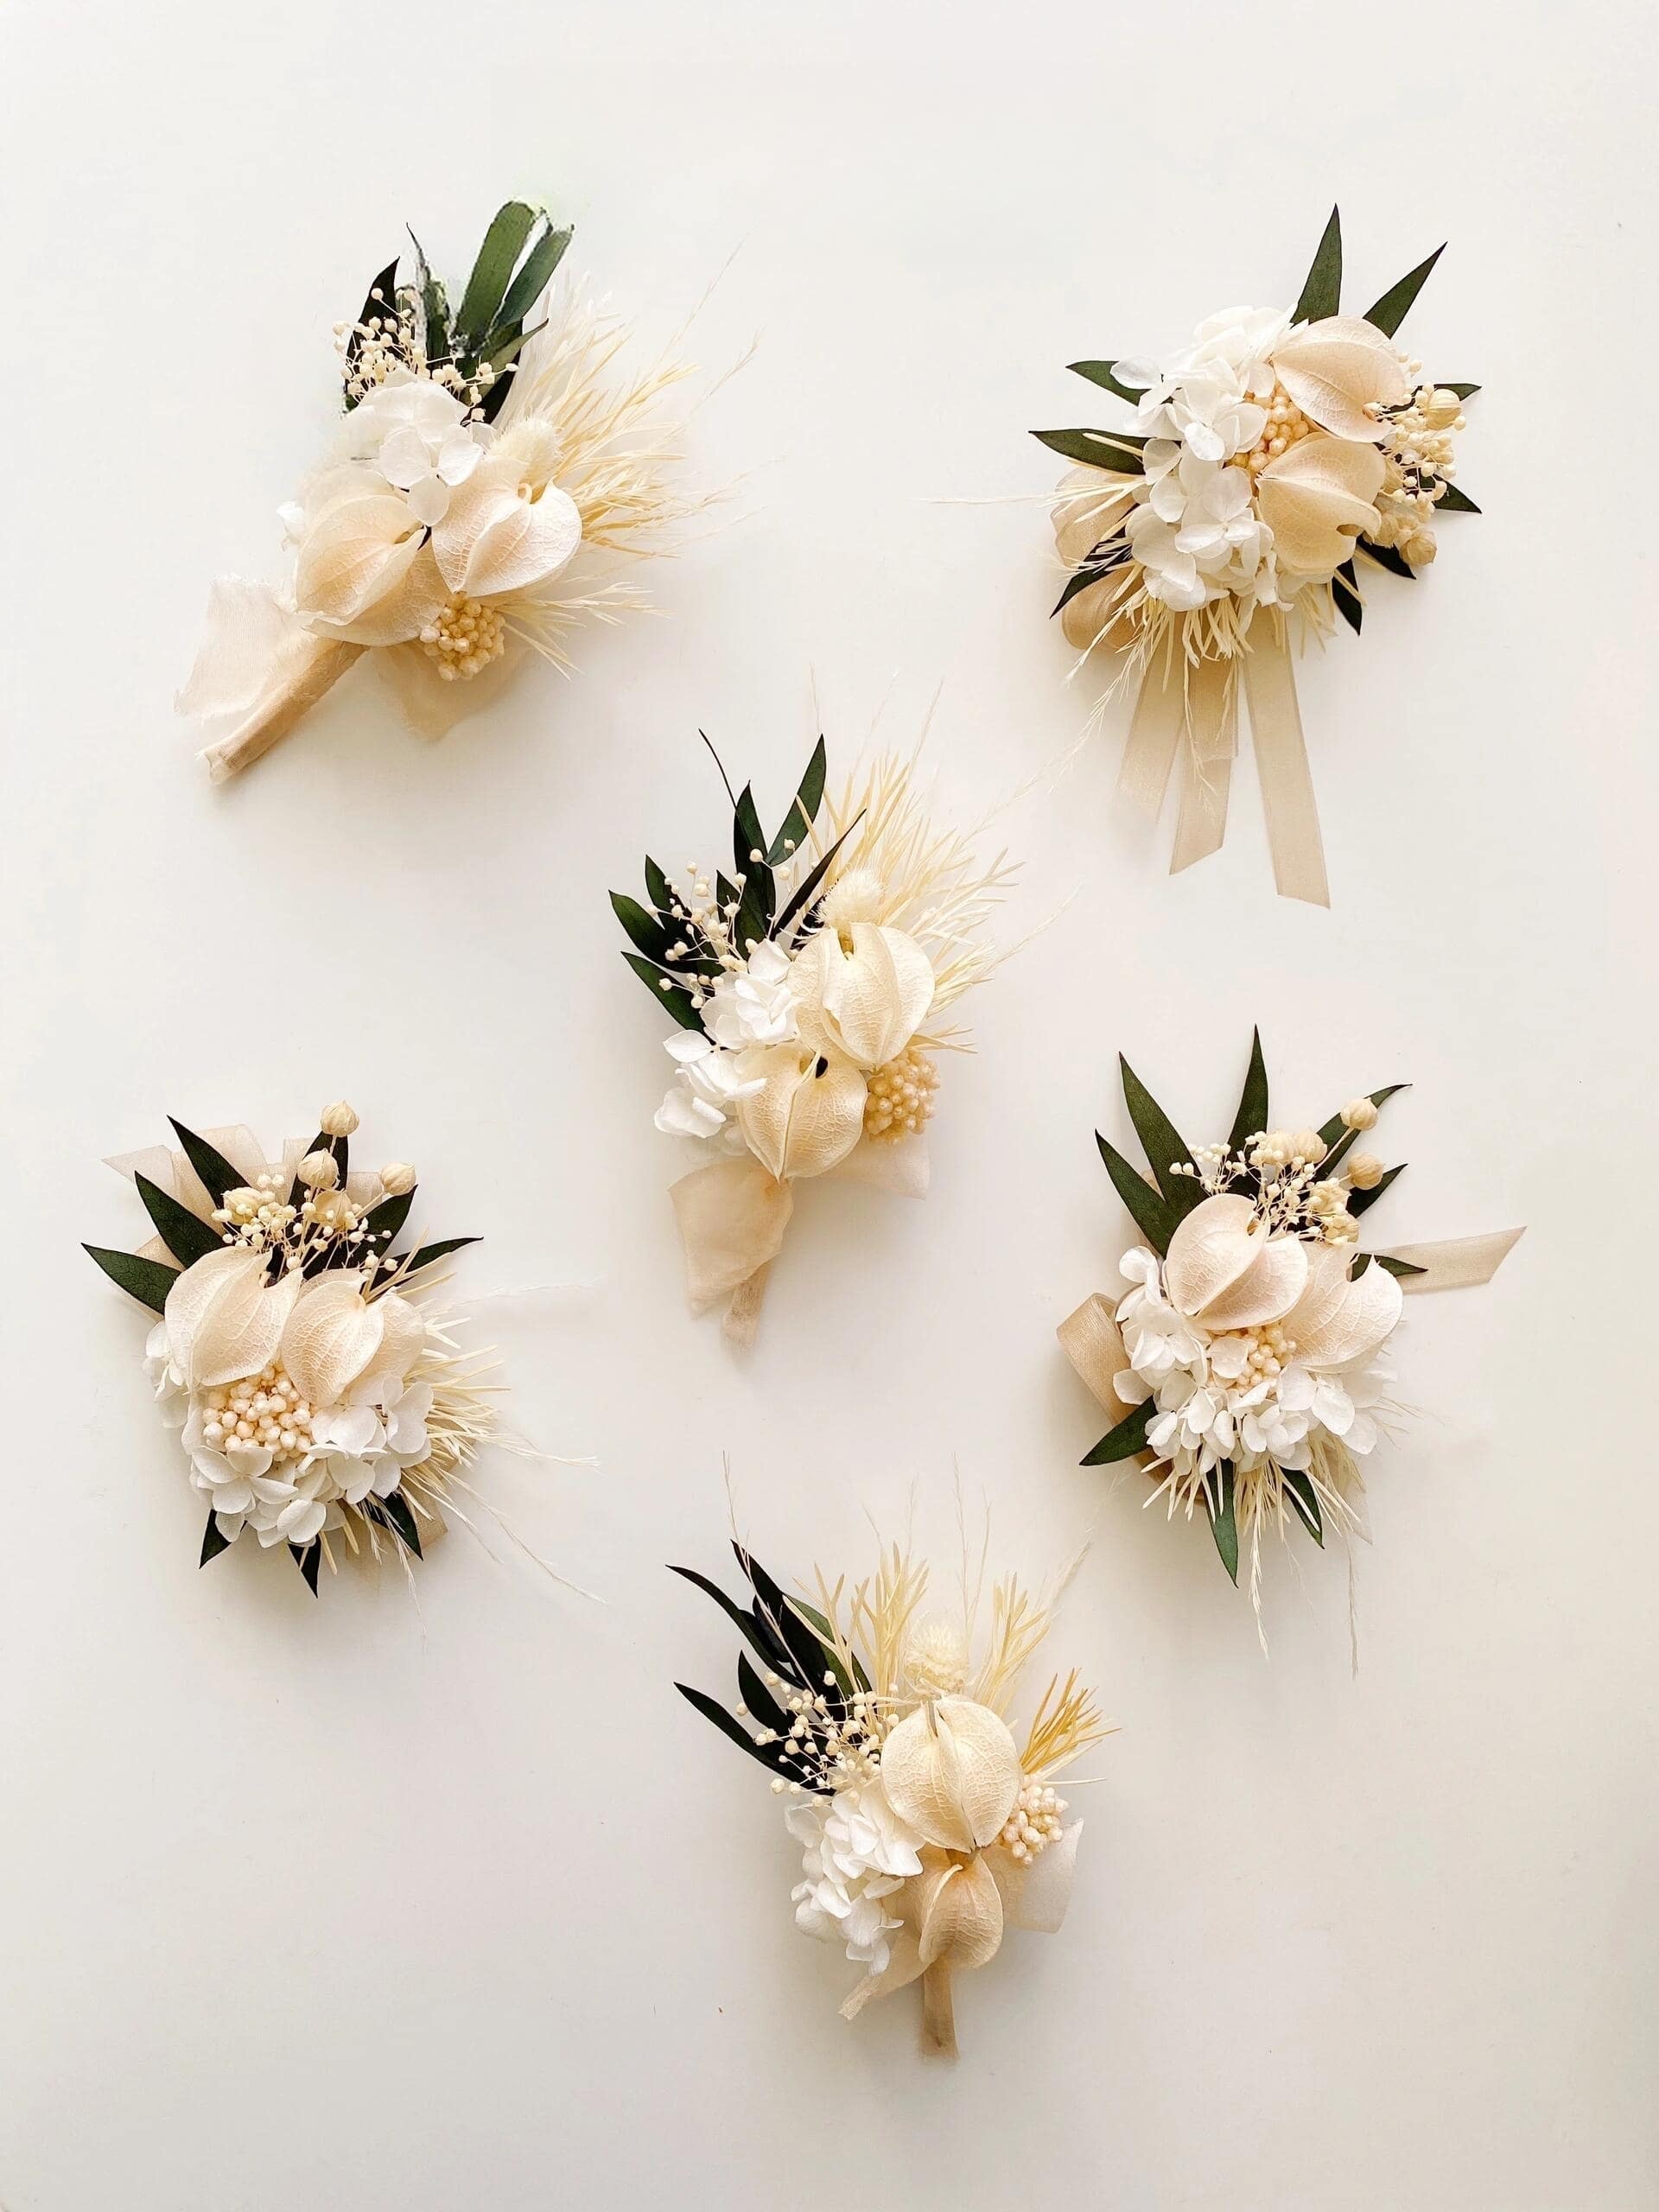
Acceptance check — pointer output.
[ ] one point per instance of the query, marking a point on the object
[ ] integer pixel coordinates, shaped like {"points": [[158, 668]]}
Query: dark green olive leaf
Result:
{"points": [[1394, 305], [1162, 1142], [827, 1637], [213, 1171], [492, 270], [380, 302], [1103, 373], [535, 274], [308, 1560], [1251, 1118], [1463, 391], [798, 905], [761, 1704], [644, 930], [1389, 558], [1098, 449], [1321, 293], [396, 1514], [1156, 1221], [1454, 502], [428, 1253], [1398, 1267], [765, 1645], [1105, 561], [1299, 1488], [212, 1541], [186, 1236], [802, 810], [813, 1659], [1344, 592], [1361, 1201], [672, 997], [1335, 1129], [747, 836], [1224, 1519], [383, 1221], [768, 1754], [147, 1281], [658, 889], [1125, 1441]]}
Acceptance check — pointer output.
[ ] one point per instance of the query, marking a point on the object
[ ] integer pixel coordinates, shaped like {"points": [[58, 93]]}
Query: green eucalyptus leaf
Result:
{"points": [[1391, 310], [1163, 1144], [1224, 1519], [428, 1253], [1102, 372], [213, 1171], [1344, 592], [396, 1514], [1452, 501], [1361, 1201], [308, 1560], [212, 1540], [658, 889], [185, 1236], [1156, 1221], [535, 273], [1389, 558], [770, 1755], [1097, 449], [1401, 1267], [762, 1706], [1336, 1127], [1321, 293], [803, 899], [1125, 1441], [1463, 391], [755, 1633], [676, 1000], [644, 930], [1299, 1488], [1252, 1116], [147, 1281], [803, 809], [492, 270]]}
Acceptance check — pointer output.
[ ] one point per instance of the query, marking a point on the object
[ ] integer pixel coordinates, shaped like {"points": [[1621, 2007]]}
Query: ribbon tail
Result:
{"points": [[1288, 802], [938, 2012], [1212, 727], [1155, 732], [1458, 1262], [1091, 1341], [732, 1216]]}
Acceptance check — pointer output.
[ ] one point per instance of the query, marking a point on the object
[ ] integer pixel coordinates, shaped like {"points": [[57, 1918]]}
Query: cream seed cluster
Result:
{"points": [[389, 341], [1037, 1821]]}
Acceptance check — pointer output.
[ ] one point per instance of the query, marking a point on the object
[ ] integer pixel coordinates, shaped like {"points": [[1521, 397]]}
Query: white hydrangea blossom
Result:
{"points": [[749, 1008], [858, 1851]]}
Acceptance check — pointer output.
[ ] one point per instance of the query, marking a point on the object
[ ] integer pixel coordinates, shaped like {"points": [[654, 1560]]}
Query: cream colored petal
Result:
{"points": [[1334, 369], [233, 1271], [808, 1114], [951, 1771], [332, 1337], [959, 1914], [227, 1323], [493, 539], [1036, 1895], [351, 556], [403, 1333], [430, 707], [1266, 1291], [1324, 1292], [1212, 1246], [1316, 498], [411, 602], [869, 987], [1369, 1312]]}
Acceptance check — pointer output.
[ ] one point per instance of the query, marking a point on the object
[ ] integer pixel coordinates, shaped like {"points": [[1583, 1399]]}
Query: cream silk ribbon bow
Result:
{"points": [[1091, 1342]]}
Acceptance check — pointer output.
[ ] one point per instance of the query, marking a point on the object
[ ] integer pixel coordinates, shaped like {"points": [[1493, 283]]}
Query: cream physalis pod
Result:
{"points": [[928, 1828], [495, 486], [1268, 470], [321, 1402], [808, 988], [1246, 1368]]}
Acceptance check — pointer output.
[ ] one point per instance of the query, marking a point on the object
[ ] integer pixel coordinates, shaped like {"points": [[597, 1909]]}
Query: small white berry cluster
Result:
{"points": [[393, 342], [900, 1100], [1286, 426], [1268, 1351], [710, 926], [1037, 1821], [1293, 1199], [267, 1409], [261, 1215], [464, 638], [840, 1744], [1421, 460]]}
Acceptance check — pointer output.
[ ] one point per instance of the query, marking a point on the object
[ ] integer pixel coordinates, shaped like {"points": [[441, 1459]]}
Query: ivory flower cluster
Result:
{"points": [[315, 1398], [807, 987], [457, 521], [927, 1828]]}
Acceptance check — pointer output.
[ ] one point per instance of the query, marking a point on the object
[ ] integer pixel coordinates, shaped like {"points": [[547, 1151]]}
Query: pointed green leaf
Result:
{"points": [[1156, 1221], [1098, 449], [428, 1253], [1401, 1267], [1463, 391], [762, 1706], [213, 1171], [185, 1236], [1163, 1144], [1394, 305], [770, 1755], [535, 273], [492, 270], [381, 301], [1452, 501], [1321, 293], [383, 1222], [212, 1541], [658, 889], [1335, 1129], [1387, 557], [809, 882], [1299, 1488], [1223, 1520], [675, 1000], [308, 1560], [1345, 594], [1125, 1441], [644, 930], [1102, 372], [1252, 1116], [395, 1513], [1094, 571], [147, 1281], [803, 809], [1361, 1201]]}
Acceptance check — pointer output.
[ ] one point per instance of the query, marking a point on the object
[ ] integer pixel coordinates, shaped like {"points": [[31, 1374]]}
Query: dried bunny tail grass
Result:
{"points": [[933, 887], [1067, 1724]]}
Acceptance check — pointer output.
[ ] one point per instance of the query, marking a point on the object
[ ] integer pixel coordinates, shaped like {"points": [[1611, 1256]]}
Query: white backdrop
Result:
{"points": [[340, 1904]]}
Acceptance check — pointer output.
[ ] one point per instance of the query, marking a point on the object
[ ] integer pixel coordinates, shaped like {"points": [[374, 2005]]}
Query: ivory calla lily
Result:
{"points": [[1316, 498]]}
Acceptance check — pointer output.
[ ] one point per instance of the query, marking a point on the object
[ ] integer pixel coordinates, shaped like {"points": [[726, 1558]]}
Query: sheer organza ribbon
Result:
{"points": [[1192, 707]]}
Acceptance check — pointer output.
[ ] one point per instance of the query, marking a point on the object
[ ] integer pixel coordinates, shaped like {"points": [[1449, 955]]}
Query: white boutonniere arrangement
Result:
{"points": [[1267, 471]]}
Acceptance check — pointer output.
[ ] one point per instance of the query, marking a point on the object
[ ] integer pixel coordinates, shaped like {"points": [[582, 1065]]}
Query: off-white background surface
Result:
{"points": [[342, 1904]]}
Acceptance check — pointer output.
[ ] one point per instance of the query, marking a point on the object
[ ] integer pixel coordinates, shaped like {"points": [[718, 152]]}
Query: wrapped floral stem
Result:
{"points": [[322, 1403], [929, 1828], [809, 989], [495, 470], [1268, 468], [1246, 1368]]}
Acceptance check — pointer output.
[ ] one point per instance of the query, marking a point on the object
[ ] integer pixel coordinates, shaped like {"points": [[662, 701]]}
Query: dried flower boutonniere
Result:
{"points": [[492, 468], [320, 1405], [809, 988], [1246, 1367], [1261, 464], [928, 1828]]}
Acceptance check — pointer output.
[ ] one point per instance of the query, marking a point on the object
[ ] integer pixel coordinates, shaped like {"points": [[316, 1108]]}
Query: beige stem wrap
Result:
{"points": [[732, 1216], [1091, 1341], [938, 2012], [274, 717], [1191, 707]]}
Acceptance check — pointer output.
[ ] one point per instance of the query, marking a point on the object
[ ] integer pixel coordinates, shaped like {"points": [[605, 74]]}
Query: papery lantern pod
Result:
{"points": [[951, 1771]]}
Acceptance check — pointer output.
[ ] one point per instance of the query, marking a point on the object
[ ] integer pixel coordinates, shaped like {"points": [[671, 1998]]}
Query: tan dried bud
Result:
{"points": [[397, 1179], [1443, 409], [319, 1171], [338, 1120], [1307, 1144], [1365, 1170], [1359, 1114]]}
